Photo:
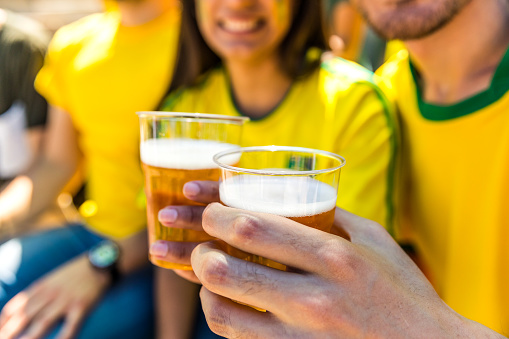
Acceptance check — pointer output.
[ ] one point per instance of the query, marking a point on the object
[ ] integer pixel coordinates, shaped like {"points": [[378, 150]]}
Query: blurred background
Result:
{"points": [[53, 13]]}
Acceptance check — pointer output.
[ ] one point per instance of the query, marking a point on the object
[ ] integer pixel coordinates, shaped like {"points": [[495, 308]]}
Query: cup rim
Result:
{"points": [[274, 148], [194, 116]]}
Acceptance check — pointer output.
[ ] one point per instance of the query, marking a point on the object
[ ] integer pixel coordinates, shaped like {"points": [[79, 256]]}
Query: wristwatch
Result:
{"points": [[104, 257]]}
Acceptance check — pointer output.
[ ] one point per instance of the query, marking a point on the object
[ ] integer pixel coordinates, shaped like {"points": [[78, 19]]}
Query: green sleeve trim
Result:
{"points": [[171, 100], [347, 70], [391, 170], [498, 88], [355, 73]]}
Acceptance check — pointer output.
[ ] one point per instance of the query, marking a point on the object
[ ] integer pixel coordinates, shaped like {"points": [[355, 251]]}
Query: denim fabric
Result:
{"points": [[125, 311]]}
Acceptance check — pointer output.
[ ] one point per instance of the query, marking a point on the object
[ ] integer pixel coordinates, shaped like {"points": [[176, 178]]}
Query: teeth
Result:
{"points": [[239, 26]]}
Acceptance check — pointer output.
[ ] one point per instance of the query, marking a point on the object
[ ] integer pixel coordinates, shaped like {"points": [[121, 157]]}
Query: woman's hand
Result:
{"points": [[187, 217], [66, 293]]}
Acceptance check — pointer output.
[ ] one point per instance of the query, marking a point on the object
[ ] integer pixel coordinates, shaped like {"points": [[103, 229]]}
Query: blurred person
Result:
{"points": [[261, 59], [350, 37], [97, 73], [23, 111], [452, 97], [453, 106], [348, 25]]}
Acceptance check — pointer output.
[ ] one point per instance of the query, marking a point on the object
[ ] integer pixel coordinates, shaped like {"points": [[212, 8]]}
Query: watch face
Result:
{"points": [[104, 255]]}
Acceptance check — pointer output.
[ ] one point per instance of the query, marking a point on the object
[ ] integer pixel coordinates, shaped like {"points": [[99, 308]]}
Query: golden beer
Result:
{"points": [[302, 199], [168, 164]]}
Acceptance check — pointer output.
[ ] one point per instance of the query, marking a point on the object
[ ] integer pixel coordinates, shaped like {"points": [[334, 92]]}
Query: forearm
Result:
{"points": [[473, 330], [176, 301]]}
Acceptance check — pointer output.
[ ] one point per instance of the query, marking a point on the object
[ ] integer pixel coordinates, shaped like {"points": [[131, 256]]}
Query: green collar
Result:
{"points": [[499, 86]]}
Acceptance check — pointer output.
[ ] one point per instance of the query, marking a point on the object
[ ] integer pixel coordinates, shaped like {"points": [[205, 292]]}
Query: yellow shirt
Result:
{"points": [[393, 47], [457, 163], [102, 72], [338, 108]]}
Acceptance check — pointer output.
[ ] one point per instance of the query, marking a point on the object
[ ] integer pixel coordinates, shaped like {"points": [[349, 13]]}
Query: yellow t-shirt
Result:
{"points": [[456, 159], [338, 108], [102, 72], [393, 47]]}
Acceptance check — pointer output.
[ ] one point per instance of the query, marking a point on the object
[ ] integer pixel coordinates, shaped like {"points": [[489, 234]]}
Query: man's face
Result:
{"points": [[408, 19]]}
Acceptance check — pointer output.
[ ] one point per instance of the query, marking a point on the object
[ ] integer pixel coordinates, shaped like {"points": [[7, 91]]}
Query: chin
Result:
{"points": [[413, 21], [242, 53]]}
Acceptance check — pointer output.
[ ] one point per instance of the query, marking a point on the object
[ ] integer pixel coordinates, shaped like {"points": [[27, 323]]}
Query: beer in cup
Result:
{"points": [[298, 183], [176, 148]]}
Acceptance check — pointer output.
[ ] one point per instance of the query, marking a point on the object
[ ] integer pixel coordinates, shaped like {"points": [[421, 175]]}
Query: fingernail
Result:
{"points": [[159, 249], [168, 215], [191, 189]]}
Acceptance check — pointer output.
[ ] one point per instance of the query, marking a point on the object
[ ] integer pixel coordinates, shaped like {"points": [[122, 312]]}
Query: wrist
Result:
{"points": [[472, 329], [103, 278], [103, 259], [455, 325]]}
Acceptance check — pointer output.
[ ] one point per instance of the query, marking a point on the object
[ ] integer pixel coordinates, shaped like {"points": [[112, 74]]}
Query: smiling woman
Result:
{"points": [[285, 28], [236, 32], [261, 59]]}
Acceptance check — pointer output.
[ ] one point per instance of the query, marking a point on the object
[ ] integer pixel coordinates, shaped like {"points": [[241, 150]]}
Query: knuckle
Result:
{"points": [[214, 271], [318, 307], [330, 255], [179, 250], [245, 228], [184, 214], [219, 319], [341, 261], [80, 303], [196, 215], [213, 190], [208, 216]]}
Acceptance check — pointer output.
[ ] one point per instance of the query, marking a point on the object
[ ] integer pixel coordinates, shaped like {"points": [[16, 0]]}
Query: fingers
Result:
{"points": [[20, 311], [232, 320], [72, 322], [45, 320], [202, 191], [188, 217], [274, 237], [358, 229], [244, 281], [172, 251]]}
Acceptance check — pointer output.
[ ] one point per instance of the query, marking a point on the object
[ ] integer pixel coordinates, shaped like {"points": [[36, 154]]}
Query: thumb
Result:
{"points": [[357, 229]]}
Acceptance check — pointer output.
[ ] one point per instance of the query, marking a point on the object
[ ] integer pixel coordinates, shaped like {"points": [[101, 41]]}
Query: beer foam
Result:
{"points": [[288, 196], [189, 154]]}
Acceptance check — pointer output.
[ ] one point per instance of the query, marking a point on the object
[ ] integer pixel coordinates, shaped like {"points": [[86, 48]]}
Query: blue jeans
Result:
{"points": [[125, 311]]}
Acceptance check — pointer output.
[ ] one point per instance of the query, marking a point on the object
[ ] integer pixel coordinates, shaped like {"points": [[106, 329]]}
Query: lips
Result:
{"points": [[240, 26]]}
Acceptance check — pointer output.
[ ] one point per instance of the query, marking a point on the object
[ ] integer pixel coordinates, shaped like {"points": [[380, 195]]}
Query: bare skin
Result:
{"points": [[58, 295], [365, 287], [456, 45], [250, 57], [362, 287]]}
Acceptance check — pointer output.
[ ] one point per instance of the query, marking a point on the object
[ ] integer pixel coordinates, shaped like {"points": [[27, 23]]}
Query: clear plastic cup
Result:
{"points": [[176, 148], [298, 183]]}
